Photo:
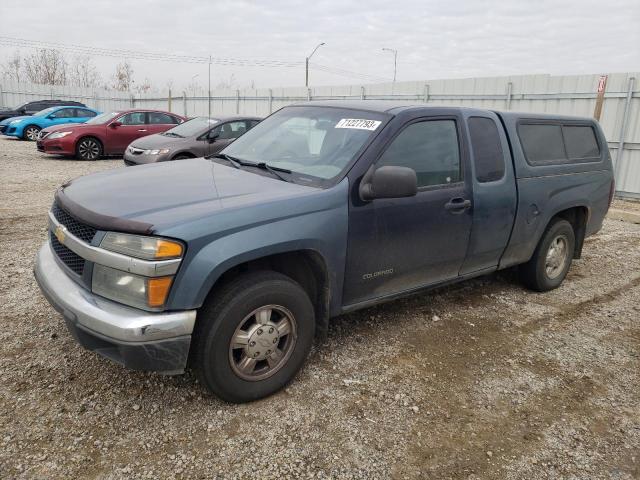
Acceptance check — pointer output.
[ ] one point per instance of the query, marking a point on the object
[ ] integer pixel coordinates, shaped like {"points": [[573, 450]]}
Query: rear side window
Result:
{"points": [[580, 142], [157, 118], [487, 149], [542, 143], [430, 148], [551, 143]]}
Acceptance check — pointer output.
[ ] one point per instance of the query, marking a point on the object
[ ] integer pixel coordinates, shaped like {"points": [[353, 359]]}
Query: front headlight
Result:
{"points": [[59, 134], [156, 152], [134, 290], [148, 293], [147, 248], [14, 122]]}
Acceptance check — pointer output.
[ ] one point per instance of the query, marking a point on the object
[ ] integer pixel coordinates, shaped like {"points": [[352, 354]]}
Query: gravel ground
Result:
{"points": [[480, 380]]}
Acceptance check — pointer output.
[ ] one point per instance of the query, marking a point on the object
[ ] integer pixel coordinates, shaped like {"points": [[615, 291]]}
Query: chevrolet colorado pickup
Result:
{"points": [[233, 264]]}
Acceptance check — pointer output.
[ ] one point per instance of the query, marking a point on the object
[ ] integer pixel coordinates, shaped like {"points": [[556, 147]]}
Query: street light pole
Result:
{"points": [[395, 61], [209, 90], [306, 65]]}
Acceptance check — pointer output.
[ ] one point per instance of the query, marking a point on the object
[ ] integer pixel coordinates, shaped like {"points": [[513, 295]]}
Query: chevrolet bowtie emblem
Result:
{"points": [[59, 233]]}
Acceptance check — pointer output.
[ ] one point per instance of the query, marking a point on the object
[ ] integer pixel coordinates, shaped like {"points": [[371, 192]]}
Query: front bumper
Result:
{"points": [[55, 147], [134, 338], [131, 160]]}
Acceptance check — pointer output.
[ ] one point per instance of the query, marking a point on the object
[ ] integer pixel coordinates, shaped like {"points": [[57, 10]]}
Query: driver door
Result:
{"points": [[399, 244], [132, 126]]}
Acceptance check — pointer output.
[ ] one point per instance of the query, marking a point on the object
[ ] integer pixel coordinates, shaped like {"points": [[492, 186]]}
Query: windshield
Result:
{"points": [[45, 112], [102, 118], [315, 141], [192, 127], [20, 107]]}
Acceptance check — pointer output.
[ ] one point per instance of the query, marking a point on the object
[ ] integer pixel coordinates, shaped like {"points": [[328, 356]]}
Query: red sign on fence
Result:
{"points": [[602, 83]]}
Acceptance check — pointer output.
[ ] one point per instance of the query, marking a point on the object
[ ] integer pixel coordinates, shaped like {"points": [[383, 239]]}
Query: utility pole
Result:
{"points": [[306, 65], [395, 61]]}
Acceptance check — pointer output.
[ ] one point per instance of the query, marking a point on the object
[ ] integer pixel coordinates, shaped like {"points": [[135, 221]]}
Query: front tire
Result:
{"points": [[31, 133], [88, 148], [253, 336], [551, 260]]}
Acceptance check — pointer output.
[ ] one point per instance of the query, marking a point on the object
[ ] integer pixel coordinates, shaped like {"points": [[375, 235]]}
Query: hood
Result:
{"points": [[156, 141], [158, 196], [11, 119]]}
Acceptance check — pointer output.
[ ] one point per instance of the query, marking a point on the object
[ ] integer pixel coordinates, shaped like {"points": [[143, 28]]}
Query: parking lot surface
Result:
{"points": [[483, 379]]}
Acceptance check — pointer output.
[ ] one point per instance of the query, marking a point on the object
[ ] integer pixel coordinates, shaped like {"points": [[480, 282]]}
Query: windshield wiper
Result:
{"points": [[273, 170], [238, 163]]}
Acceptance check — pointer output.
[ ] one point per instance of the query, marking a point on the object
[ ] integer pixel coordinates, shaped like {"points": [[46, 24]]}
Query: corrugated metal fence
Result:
{"points": [[569, 95]]}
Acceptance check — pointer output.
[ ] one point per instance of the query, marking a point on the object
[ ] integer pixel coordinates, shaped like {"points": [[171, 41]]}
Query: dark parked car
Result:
{"points": [[236, 262], [33, 107], [197, 137], [106, 134]]}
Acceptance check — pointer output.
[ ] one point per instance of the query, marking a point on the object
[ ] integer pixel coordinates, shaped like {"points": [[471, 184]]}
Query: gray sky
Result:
{"points": [[434, 39]]}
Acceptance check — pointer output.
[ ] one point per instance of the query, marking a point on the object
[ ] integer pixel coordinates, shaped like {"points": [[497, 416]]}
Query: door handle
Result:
{"points": [[457, 205], [142, 130]]}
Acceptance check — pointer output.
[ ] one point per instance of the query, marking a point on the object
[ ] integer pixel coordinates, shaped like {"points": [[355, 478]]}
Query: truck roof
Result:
{"points": [[394, 107]]}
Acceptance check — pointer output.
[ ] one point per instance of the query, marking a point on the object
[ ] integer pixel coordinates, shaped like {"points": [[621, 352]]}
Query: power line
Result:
{"points": [[120, 53], [169, 57]]}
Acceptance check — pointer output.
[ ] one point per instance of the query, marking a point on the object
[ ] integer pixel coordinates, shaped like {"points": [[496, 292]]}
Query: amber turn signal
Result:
{"points": [[158, 290], [168, 249]]}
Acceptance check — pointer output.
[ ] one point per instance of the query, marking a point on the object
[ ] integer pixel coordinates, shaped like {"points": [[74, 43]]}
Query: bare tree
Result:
{"points": [[230, 84], [46, 66], [144, 87], [83, 73], [12, 69], [123, 78]]}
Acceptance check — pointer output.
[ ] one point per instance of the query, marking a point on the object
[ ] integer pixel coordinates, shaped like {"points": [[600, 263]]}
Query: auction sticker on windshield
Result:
{"points": [[358, 123]]}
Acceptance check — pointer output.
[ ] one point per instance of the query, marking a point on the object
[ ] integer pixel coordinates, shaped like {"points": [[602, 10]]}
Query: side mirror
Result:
{"points": [[114, 124], [389, 182], [212, 136]]}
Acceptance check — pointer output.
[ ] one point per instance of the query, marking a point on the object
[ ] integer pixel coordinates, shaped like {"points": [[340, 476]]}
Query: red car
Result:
{"points": [[107, 134]]}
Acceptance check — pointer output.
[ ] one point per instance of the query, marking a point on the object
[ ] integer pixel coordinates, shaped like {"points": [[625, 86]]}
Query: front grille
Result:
{"points": [[135, 151], [75, 227], [72, 260], [43, 134]]}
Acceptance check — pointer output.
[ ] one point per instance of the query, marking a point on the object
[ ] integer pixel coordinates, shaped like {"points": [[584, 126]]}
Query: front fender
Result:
{"points": [[323, 231]]}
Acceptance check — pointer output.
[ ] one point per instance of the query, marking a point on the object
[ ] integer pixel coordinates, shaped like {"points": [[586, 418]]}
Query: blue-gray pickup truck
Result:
{"points": [[234, 263]]}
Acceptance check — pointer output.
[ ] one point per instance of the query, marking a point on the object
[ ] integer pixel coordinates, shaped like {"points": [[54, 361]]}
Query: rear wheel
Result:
{"points": [[181, 157], [88, 148], [552, 258], [253, 336], [31, 133]]}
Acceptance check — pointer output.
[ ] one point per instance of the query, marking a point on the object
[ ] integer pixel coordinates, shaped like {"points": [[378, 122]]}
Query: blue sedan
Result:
{"points": [[28, 127]]}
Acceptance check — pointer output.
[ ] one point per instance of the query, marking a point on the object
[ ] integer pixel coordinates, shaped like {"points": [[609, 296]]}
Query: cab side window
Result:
{"points": [[487, 149], [430, 148], [135, 118]]}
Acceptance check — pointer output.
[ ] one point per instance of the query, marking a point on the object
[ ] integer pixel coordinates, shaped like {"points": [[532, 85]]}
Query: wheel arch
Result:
{"points": [[85, 136], [185, 153], [306, 266], [24, 129], [578, 217]]}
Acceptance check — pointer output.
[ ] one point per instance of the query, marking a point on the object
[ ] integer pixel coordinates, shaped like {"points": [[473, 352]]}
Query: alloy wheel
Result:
{"points": [[556, 258], [262, 343], [32, 133], [89, 149]]}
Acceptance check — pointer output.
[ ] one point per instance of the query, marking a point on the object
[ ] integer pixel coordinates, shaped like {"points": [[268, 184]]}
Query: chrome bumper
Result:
{"points": [[105, 317]]}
